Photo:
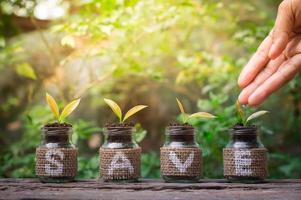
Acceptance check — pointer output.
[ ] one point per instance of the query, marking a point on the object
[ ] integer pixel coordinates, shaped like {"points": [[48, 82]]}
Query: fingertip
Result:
{"points": [[246, 77], [253, 103], [256, 99], [242, 99], [242, 83], [247, 92]]}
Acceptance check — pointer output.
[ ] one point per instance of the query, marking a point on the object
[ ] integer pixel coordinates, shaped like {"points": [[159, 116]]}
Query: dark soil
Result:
{"points": [[119, 132], [57, 132], [119, 125], [176, 124], [56, 124], [181, 132], [241, 126], [241, 129]]}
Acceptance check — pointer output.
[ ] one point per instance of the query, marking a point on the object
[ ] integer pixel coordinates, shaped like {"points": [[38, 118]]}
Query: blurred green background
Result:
{"points": [[136, 52]]}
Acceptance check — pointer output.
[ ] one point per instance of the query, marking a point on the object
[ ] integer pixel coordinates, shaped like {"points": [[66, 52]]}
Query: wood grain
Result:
{"points": [[149, 189]]}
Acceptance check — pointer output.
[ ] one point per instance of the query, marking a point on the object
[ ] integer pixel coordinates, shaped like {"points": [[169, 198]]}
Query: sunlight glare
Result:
{"points": [[50, 9]]}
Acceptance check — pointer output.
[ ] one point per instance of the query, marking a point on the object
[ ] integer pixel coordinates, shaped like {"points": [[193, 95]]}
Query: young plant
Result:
{"points": [[245, 120], [69, 108], [117, 110], [186, 117]]}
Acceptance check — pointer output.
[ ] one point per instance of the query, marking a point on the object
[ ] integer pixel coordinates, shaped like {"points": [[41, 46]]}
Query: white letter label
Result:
{"points": [[182, 167], [49, 156], [242, 163], [120, 161]]}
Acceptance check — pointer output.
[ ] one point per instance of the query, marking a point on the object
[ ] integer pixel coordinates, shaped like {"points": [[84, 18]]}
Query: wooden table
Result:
{"points": [[149, 189]]}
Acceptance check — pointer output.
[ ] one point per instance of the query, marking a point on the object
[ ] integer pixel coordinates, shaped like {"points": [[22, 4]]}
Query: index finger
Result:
{"points": [[285, 73], [256, 63], [283, 28]]}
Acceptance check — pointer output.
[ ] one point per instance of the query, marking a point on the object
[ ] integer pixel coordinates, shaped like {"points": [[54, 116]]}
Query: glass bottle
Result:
{"points": [[56, 142], [120, 138], [180, 137], [246, 139]]}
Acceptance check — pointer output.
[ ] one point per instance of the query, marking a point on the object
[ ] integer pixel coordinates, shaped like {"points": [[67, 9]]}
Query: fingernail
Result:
{"points": [[252, 103], [239, 82], [242, 98], [242, 81], [255, 99]]}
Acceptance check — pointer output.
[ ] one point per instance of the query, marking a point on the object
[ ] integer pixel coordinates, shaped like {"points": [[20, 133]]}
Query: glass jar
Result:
{"points": [[120, 155], [56, 157], [119, 138], [180, 138], [247, 155]]}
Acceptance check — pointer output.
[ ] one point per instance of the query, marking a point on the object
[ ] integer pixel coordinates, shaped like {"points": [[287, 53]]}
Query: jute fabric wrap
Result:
{"points": [[181, 161], [56, 162], [245, 162], [119, 164]]}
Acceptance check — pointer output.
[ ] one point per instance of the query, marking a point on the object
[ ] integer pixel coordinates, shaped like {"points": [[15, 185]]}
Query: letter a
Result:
{"points": [[120, 161], [49, 156], [176, 161]]}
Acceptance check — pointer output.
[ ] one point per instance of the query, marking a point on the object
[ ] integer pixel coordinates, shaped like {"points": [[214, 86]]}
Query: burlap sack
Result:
{"points": [[56, 162], [245, 162], [181, 161], [119, 164]]}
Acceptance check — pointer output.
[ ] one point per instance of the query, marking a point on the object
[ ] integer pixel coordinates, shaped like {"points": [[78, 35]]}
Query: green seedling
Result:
{"points": [[246, 120], [68, 109], [117, 110], [186, 117]]}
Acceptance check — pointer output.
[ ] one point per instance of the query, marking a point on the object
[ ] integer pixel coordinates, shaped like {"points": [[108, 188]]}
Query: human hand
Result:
{"points": [[277, 59]]}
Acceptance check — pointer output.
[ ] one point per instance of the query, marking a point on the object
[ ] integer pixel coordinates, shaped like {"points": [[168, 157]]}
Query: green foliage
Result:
{"points": [[19, 157], [139, 51], [284, 165], [212, 135], [242, 116], [186, 117], [150, 165], [88, 167], [139, 133], [24, 69]]}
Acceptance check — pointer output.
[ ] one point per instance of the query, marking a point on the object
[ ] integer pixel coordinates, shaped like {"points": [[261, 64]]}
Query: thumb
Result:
{"points": [[283, 29]]}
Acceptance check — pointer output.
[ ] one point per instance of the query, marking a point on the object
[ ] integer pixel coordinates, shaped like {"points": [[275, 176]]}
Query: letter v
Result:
{"points": [[181, 167]]}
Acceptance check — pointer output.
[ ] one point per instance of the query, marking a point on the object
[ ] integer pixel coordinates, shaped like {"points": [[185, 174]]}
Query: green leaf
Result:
{"points": [[132, 111], [139, 133], [139, 136], [24, 69], [183, 118], [69, 108], [180, 106], [256, 115], [115, 108], [202, 115], [53, 105]]}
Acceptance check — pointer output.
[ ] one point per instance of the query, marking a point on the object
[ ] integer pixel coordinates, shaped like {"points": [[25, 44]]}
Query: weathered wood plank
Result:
{"points": [[149, 189]]}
